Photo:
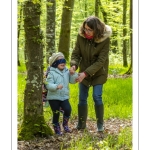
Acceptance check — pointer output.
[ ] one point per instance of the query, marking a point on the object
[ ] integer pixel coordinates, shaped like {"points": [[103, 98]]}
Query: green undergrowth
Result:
{"points": [[117, 98], [122, 141]]}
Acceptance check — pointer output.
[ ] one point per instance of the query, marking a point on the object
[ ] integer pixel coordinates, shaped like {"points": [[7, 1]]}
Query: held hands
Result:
{"points": [[59, 86], [81, 76]]}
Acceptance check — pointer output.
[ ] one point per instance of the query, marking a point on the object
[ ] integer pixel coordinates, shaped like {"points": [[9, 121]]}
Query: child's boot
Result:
{"points": [[57, 128], [65, 124]]}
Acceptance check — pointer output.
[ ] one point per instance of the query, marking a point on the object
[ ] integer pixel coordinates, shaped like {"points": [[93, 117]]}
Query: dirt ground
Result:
{"points": [[55, 142]]}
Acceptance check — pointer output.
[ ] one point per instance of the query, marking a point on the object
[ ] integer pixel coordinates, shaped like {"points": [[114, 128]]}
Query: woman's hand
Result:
{"points": [[81, 76]]}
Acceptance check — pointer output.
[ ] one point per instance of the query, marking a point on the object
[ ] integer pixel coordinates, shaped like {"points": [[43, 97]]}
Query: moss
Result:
{"points": [[34, 127]]}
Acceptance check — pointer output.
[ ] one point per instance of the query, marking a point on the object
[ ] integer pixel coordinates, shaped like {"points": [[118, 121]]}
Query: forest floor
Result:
{"points": [[113, 127], [55, 142]]}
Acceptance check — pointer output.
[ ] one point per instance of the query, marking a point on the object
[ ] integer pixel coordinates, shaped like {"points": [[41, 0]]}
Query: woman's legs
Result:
{"points": [[99, 107], [97, 94], [82, 106], [83, 94]]}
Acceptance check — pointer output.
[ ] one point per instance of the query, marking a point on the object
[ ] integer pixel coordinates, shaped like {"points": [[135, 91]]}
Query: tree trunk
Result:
{"points": [[85, 8], [50, 28], [103, 12], [19, 26], [64, 39], [125, 63], [130, 70], [97, 8], [114, 41], [33, 121]]}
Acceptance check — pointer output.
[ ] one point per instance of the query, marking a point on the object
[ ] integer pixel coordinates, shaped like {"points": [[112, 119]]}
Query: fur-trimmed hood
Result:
{"points": [[107, 33]]}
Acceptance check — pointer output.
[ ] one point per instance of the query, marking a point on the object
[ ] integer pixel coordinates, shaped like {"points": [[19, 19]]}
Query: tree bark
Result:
{"points": [[114, 41], [130, 70], [85, 8], [33, 121], [103, 12], [50, 28], [97, 8], [125, 63], [64, 39], [19, 26]]}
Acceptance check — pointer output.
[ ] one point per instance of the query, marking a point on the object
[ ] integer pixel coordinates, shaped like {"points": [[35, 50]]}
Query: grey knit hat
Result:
{"points": [[54, 57]]}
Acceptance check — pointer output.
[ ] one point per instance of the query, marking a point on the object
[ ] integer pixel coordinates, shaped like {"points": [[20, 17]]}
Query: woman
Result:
{"points": [[91, 55]]}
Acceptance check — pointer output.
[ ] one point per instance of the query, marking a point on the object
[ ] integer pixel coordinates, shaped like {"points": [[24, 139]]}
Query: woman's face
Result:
{"points": [[88, 30]]}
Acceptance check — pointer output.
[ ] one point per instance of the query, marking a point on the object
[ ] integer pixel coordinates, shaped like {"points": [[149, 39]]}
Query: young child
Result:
{"points": [[57, 84]]}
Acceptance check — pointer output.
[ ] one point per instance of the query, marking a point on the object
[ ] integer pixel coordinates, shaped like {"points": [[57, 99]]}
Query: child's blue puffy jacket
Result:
{"points": [[56, 77]]}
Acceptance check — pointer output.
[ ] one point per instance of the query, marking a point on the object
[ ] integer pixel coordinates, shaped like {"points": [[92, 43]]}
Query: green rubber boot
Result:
{"points": [[82, 116], [99, 110]]}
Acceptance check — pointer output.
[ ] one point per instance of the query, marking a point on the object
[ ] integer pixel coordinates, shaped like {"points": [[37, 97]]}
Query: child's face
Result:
{"points": [[61, 66]]}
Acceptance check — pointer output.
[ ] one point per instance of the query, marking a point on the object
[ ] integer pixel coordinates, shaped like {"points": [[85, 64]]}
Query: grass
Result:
{"points": [[117, 98], [122, 141], [21, 87]]}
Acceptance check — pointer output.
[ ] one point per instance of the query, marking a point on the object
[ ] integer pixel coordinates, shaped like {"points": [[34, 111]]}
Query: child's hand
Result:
{"points": [[59, 86], [72, 70]]}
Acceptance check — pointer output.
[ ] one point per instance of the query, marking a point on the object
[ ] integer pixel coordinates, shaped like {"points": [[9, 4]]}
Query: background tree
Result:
{"points": [[33, 119], [50, 28], [19, 28], [114, 41], [104, 13], [85, 8], [129, 71], [125, 63], [64, 39], [97, 8]]}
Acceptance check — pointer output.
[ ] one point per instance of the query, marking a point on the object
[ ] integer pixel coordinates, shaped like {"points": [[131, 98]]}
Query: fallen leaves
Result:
{"points": [[112, 126]]}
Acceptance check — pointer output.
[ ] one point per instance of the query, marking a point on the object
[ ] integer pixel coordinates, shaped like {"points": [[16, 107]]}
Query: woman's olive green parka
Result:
{"points": [[92, 57]]}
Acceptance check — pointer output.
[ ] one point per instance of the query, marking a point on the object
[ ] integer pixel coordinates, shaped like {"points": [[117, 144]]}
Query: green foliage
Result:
{"points": [[82, 9], [85, 142], [116, 59], [22, 68], [21, 86], [117, 97], [117, 142], [116, 70], [36, 1], [111, 142]]}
